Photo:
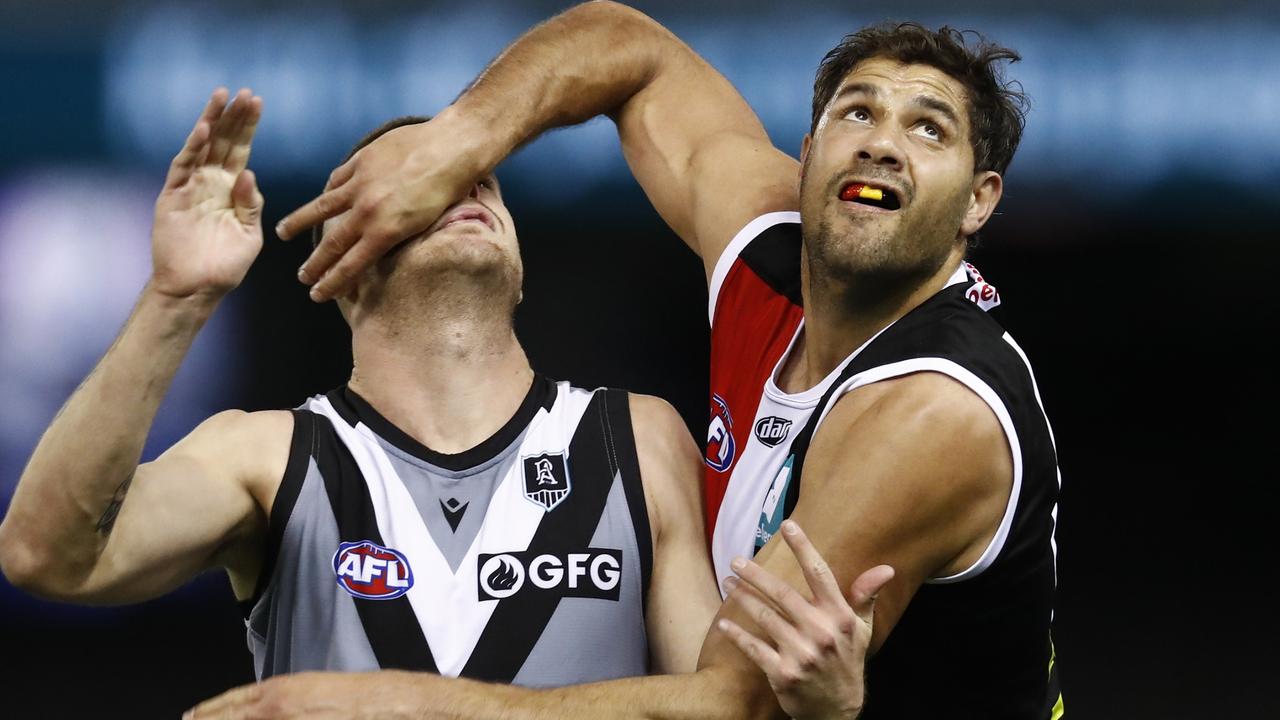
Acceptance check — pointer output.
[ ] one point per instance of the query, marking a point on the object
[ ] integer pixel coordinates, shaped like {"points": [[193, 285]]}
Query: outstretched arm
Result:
{"points": [[88, 524], [693, 143]]}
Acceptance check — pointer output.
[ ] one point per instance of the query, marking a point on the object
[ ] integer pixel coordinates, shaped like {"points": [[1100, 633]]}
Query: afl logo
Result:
{"points": [[772, 430], [367, 570], [720, 443], [501, 576]]}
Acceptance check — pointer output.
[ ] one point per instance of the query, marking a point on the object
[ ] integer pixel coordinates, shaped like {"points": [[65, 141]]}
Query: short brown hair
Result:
{"points": [[997, 109], [383, 129]]}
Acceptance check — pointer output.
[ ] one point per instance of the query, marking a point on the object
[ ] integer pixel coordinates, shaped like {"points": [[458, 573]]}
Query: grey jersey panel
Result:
{"points": [[304, 621], [584, 634], [447, 497]]}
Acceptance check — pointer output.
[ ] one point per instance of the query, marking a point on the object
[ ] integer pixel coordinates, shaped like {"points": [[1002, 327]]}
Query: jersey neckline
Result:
{"points": [[354, 409], [807, 399]]}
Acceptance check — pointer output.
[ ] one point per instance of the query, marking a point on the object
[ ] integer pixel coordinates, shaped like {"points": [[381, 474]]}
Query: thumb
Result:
{"points": [[862, 595], [247, 199]]}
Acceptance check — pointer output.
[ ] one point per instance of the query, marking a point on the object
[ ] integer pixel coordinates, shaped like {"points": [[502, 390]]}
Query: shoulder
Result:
{"points": [[670, 464], [930, 428], [253, 446]]}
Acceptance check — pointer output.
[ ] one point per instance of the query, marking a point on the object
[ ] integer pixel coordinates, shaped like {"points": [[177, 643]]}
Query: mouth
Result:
{"points": [[469, 214], [880, 197]]}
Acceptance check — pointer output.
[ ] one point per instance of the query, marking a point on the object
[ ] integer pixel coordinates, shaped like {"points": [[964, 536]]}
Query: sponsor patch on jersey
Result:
{"points": [[594, 573], [771, 513], [546, 480], [981, 293], [772, 430], [720, 444], [370, 571]]}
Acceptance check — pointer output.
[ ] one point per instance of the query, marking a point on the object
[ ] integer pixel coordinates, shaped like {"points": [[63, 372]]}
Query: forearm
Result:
{"points": [[68, 496], [705, 695], [588, 61]]}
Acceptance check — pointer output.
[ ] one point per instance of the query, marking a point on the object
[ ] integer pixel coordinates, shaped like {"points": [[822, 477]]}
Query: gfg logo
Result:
{"points": [[370, 571], [595, 573], [772, 430]]}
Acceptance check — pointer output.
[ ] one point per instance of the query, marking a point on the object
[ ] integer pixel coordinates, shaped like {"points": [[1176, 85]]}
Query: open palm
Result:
{"points": [[208, 222]]}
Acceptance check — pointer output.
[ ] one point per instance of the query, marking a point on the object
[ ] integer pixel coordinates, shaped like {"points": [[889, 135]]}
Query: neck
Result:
{"points": [[449, 377], [841, 316]]}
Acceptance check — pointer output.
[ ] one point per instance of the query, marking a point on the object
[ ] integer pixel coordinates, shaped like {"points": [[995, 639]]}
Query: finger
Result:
{"points": [[333, 245], [247, 199], [863, 592], [328, 205], [796, 606], [339, 280], [227, 127], [193, 150], [779, 629], [227, 705], [816, 570], [757, 650], [341, 175], [241, 145]]}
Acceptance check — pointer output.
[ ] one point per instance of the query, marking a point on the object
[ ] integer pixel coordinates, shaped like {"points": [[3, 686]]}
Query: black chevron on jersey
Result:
{"points": [[391, 625], [517, 624]]}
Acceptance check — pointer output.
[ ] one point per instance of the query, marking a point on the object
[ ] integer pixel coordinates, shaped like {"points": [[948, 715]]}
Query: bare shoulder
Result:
{"points": [[925, 405], [670, 465], [252, 446]]}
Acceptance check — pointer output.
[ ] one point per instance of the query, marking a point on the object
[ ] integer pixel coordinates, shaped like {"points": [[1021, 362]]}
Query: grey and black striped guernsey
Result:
{"points": [[525, 559]]}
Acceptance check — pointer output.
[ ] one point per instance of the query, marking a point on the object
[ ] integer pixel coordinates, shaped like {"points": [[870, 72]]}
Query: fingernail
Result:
{"points": [[723, 625], [738, 564], [730, 583], [789, 527], [315, 294], [303, 276], [280, 229]]}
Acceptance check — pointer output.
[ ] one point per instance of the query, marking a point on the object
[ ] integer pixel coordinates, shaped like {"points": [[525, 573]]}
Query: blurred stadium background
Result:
{"points": [[1134, 249]]}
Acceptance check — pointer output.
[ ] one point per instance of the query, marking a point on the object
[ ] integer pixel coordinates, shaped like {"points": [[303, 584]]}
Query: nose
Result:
{"points": [[879, 147], [474, 193]]}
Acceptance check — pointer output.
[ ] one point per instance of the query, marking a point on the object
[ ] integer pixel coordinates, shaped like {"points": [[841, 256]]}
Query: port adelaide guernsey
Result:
{"points": [[525, 559]]}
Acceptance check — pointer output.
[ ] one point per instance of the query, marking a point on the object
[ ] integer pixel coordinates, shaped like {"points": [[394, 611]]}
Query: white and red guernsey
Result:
{"points": [[973, 644]]}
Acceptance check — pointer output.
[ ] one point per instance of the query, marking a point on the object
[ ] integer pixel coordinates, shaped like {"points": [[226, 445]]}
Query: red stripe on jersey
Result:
{"points": [[753, 326]]}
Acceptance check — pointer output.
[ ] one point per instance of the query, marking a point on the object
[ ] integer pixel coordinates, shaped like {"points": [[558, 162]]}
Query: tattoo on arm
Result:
{"points": [[108, 520]]}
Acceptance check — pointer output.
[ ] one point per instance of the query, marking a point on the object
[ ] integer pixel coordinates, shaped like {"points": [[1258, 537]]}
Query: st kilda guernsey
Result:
{"points": [[972, 645], [525, 559]]}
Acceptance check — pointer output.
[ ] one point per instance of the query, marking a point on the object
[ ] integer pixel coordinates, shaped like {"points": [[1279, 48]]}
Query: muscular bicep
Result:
{"points": [[197, 506], [914, 473], [682, 593], [702, 156]]}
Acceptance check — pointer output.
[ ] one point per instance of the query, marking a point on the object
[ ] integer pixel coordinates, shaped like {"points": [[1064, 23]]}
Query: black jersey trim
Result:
{"points": [[774, 255], [353, 408], [622, 441], [391, 625], [301, 447], [517, 622]]}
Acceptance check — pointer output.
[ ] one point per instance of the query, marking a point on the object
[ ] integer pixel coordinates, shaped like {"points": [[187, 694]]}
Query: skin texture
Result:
{"points": [[920, 462], [431, 327]]}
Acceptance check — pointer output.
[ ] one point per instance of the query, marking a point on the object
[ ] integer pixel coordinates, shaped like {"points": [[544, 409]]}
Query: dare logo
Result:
{"points": [[370, 571], [772, 430]]}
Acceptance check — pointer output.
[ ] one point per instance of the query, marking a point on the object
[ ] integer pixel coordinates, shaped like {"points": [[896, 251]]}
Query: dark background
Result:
{"points": [[1144, 311]]}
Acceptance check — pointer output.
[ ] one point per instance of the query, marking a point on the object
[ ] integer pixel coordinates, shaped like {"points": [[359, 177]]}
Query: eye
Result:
{"points": [[929, 130], [858, 114]]}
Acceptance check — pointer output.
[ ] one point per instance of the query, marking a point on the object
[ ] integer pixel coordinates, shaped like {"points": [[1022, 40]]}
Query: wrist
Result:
{"points": [[194, 308], [480, 141]]}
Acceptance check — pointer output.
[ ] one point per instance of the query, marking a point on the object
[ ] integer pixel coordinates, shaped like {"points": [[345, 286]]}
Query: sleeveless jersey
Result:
{"points": [[525, 559], [972, 645]]}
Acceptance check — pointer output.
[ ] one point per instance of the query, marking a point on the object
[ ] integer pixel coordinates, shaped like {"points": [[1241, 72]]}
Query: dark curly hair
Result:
{"points": [[997, 109]]}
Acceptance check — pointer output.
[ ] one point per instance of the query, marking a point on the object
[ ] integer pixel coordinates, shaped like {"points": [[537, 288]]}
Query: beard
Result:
{"points": [[446, 278], [874, 258]]}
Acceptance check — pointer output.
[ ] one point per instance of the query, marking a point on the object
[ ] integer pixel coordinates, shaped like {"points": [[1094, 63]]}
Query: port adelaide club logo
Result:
{"points": [[594, 573], [546, 480], [772, 430], [370, 571]]}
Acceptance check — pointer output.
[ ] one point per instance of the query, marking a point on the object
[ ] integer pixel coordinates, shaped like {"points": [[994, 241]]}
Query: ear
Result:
{"points": [[805, 144], [987, 189]]}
